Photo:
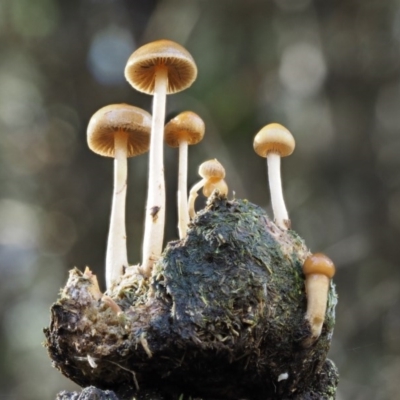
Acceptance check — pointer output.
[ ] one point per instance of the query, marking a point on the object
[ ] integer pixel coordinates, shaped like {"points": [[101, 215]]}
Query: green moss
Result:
{"points": [[223, 317]]}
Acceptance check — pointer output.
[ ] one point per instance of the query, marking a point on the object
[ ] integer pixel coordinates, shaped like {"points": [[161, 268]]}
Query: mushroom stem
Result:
{"points": [[116, 256], [155, 208], [183, 212], [275, 184], [318, 270], [193, 195], [317, 287], [220, 186]]}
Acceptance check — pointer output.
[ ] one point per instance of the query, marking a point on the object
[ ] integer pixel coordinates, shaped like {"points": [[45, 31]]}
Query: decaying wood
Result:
{"points": [[222, 317]]}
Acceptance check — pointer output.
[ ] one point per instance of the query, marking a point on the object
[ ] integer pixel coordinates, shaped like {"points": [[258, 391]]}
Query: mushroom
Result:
{"points": [[212, 172], [318, 269], [185, 129], [273, 142], [221, 186], [160, 68], [118, 131]]}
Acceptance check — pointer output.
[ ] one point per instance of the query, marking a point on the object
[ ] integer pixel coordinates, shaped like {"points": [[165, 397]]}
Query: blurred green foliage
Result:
{"points": [[328, 70]]}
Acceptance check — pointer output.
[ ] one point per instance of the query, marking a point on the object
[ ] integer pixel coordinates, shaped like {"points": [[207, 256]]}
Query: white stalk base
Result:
{"points": [[317, 287], [275, 185], [155, 208], [183, 212], [116, 256]]}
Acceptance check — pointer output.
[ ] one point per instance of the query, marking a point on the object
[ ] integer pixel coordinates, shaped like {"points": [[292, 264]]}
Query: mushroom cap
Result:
{"points": [[114, 118], [212, 170], [186, 126], [274, 138], [142, 66], [221, 186], [320, 264]]}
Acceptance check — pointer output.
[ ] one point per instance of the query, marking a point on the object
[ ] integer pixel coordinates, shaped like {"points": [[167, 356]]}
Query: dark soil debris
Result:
{"points": [[221, 318]]}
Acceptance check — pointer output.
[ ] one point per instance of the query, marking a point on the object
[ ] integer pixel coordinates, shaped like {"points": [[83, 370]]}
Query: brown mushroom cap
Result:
{"points": [[186, 126], [142, 65], [319, 263], [274, 138], [212, 170], [109, 120]]}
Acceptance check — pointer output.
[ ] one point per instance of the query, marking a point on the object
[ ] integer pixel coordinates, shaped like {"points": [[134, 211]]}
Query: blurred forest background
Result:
{"points": [[328, 70]]}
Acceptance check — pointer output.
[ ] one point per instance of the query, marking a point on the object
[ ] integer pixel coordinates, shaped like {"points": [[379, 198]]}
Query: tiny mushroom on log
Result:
{"points": [[119, 131], [273, 142], [212, 172], [185, 129], [221, 186], [159, 68], [318, 269]]}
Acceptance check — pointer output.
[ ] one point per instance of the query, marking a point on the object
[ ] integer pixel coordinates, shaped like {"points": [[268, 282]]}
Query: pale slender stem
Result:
{"points": [[317, 287], [275, 185], [116, 257], [193, 195], [183, 212], [155, 208]]}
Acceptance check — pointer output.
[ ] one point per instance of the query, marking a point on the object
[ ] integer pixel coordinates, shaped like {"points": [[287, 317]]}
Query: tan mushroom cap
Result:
{"points": [[109, 120], [142, 65], [320, 264], [187, 126], [274, 138], [212, 170]]}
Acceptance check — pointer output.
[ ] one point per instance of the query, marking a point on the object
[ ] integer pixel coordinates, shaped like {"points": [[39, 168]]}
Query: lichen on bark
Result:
{"points": [[222, 317]]}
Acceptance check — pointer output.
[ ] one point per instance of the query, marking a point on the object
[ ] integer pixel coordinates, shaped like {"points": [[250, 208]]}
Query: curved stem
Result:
{"points": [[116, 256], [275, 184], [193, 195], [155, 208], [183, 212]]}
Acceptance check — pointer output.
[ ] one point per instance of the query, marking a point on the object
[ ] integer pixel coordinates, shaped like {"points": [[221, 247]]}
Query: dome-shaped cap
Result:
{"points": [[186, 126], [142, 65], [319, 263], [109, 120], [274, 138], [212, 170]]}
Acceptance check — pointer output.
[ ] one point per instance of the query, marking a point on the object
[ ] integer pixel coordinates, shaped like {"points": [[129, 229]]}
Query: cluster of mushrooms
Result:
{"points": [[121, 131]]}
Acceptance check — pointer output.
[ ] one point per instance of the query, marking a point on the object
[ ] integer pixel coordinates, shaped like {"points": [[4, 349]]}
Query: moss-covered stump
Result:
{"points": [[222, 318]]}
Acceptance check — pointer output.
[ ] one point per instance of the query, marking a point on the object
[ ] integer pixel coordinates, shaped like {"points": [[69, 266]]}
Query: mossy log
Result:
{"points": [[222, 317]]}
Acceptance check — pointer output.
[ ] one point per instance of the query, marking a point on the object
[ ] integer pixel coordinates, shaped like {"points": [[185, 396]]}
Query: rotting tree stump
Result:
{"points": [[221, 318]]}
